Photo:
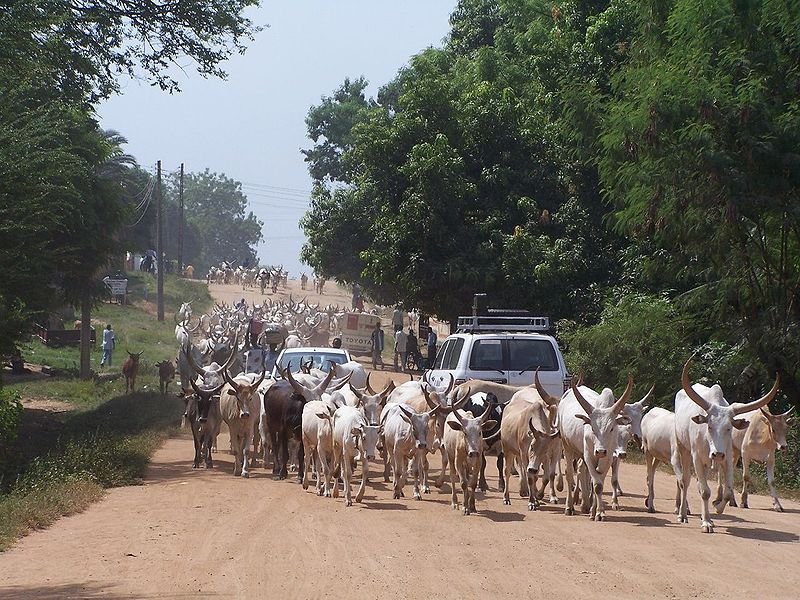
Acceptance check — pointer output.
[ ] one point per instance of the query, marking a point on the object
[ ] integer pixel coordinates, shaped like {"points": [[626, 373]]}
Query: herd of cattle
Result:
{"points": [[338, 422]]}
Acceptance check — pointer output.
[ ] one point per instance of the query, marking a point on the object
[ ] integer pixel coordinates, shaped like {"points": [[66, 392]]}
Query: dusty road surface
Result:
{"points": [[205, 534]]}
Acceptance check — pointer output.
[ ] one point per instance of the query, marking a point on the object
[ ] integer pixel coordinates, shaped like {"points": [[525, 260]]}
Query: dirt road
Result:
{"points": [[203, 533]]}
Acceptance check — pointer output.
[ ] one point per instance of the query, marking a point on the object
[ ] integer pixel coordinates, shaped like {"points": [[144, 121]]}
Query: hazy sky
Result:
{"points": [[252, 126]]}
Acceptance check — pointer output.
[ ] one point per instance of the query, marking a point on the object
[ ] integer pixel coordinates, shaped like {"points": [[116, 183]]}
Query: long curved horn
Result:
{"points": [[648, 397], [787, 413], [359, 394], [581, 400], [694, 396], [487, 412], [548, 399], [260, 379], [229, 361], [298, 387], [580, 378], [324, 385], [228, 378], [624, 398], [740, 407], [390, 386], [340, 384], [452, 383], [187, 350], [461, 401], [428, 398], [369, 387]]}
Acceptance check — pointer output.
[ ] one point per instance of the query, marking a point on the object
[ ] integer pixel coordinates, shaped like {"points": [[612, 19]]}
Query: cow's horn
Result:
{"points": [[739, 407]]}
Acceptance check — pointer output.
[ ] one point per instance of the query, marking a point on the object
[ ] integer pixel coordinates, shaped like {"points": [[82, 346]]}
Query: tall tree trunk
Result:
{"points": [[86, 332]]}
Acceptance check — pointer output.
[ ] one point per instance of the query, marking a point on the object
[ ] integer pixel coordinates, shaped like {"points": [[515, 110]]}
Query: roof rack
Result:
{"points": [[492, 323]]}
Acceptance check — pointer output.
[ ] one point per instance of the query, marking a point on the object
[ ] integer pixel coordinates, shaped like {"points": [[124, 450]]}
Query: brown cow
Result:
{"points": [[130, 368], [166, 373], [764, 434]]}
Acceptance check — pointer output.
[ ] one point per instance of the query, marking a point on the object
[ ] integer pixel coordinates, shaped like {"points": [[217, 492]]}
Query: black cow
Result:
{"points": [[203, 414], [283, 407], [491, 436]]}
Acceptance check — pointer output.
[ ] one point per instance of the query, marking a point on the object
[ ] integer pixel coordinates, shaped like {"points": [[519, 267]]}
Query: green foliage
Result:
{"points": [[216, 213], [89, 44], [10, 417], [638, 335]]}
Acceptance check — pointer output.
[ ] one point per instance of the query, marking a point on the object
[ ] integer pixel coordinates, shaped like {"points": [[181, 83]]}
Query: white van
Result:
{"points": [[503, 349]]}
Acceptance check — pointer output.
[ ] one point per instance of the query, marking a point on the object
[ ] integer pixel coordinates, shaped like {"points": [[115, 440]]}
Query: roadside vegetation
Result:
{"points": [[105, 437]]}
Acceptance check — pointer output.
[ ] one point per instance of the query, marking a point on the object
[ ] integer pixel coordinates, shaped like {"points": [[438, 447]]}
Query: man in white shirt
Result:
{"points": [[400, 345], [109, 341]]}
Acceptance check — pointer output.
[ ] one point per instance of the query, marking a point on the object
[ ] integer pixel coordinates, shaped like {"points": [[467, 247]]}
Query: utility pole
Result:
{"points": [[180, 226], [159, 249]]}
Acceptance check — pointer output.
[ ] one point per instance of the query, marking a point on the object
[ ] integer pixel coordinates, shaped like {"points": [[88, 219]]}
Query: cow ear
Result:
{"points": [[454, 425], [584, 418], [700, 419], [322, 415], [489, 424], [232, 392], [356, 431], [623, 420], [741, 423]]}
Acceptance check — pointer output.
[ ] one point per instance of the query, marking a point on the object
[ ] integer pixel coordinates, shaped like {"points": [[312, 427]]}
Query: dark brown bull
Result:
{"points": [[203, 414], [130, 368], [166, 373], [283, 406]]}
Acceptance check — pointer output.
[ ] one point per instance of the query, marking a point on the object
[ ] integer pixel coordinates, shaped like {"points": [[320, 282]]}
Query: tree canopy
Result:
{"points": [[587, 160], [67, 190]]}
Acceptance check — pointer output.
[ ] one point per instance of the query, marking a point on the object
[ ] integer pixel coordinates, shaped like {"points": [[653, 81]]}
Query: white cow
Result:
{"points": [[659, 445], [239, 406], [526, 436], [588, 424], [704, 421], [632, 431], [318, 445], [405, 438], [463, 441], [353, 441]]}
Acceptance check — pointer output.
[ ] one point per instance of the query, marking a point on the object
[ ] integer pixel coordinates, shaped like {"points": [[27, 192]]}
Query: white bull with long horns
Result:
{"points": [[704, 421]]}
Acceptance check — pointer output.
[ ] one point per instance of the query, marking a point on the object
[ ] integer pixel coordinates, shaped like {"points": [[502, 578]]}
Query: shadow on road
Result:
{"points": [[501, 517], [84, 590], [764, 535]]}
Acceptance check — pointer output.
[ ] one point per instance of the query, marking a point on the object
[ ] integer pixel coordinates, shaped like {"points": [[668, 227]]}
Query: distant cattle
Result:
{"points": [[166, 373], [130, 368]]}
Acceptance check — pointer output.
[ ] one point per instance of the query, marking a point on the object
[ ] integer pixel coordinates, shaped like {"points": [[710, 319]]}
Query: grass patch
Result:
{"points": [[109, 436], [107, 446]]}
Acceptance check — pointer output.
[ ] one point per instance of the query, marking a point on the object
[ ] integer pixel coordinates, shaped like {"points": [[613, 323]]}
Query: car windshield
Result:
{"points": [[318, 360], [528, 355]]}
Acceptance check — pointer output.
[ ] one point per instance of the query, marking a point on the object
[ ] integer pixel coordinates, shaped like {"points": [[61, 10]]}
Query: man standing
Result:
{"points": [[109, 341], [400, 343], [431, 347], [397, 319], [377, 345]]}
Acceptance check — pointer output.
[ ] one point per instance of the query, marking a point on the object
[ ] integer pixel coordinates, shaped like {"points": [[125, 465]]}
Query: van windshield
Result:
{"points": [[528, 355], [318, 360]]}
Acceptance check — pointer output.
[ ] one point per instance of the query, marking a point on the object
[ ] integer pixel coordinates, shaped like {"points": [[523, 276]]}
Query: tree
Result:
{"points": [[700, 158], [458, 182], [216, 209], [96, 41]]}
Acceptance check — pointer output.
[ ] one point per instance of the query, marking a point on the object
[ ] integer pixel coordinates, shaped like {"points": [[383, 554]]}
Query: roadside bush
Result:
{"points": [[10, 418], [638, 334]]}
